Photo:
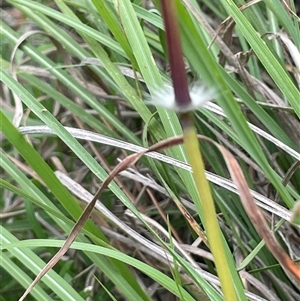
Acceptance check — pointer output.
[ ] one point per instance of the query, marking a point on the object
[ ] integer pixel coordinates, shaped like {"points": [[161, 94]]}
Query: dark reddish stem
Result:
{"points": [[178, 74]]}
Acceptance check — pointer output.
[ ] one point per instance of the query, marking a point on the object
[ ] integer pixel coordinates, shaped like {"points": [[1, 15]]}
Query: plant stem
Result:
{"points": [[210, 217], [183, 99]]}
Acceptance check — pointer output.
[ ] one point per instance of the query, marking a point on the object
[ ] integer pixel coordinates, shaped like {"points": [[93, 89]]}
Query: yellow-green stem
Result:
{"points": [[210, 218]]}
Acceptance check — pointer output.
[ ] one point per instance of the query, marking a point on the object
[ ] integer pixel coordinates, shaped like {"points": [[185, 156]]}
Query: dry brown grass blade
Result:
{"points": [[257, 218], [195, 226], [80, 223]]}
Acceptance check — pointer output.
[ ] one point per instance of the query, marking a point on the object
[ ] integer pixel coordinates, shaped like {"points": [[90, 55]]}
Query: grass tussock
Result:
{"points": [[77, 78]]}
